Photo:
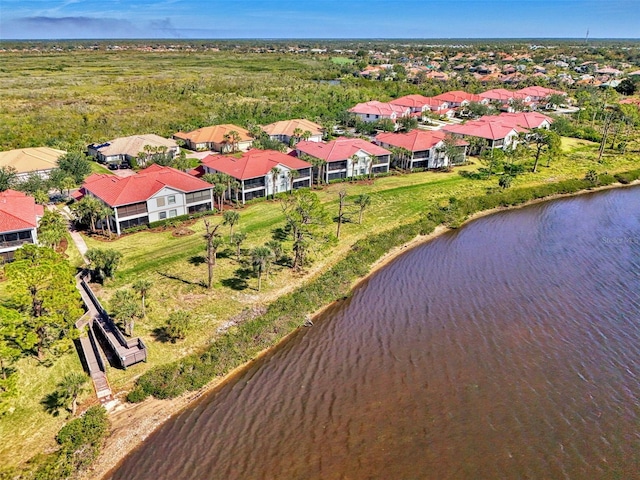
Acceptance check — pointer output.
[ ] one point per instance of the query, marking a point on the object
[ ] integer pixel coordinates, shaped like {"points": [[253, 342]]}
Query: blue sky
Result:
{"points": [[43, 19]]}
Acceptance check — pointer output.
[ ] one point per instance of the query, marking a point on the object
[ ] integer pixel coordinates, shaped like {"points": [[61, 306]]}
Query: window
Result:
{"points": [[162, 215], [171, 199], [160, 202], [173, 213]]}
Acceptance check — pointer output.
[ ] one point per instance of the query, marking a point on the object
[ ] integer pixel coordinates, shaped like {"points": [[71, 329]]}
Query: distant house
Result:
{"points": [[155, 193], [347, 157], [19, 217], [285, 130], [458, 98], [505, 97], [254, 170], [421, 104], [129, 148], [496, 134], [375, 111], [27, 161], [219, 138], [540, 94], [425, 147], [526, 120]]}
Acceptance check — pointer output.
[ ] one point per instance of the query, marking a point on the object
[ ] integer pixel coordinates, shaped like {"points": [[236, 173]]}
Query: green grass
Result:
{"points": [[342, 60]]}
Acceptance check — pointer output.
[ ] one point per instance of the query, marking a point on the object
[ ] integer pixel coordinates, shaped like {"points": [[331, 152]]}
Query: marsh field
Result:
{"points": [[71, 99]]}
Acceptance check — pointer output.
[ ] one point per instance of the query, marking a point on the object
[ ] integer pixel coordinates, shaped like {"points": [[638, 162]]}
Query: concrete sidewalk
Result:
{"points": [[75, 235]]}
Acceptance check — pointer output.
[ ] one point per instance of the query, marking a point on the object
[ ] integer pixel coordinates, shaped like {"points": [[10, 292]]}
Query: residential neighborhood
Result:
{"points": [[216, 195]]}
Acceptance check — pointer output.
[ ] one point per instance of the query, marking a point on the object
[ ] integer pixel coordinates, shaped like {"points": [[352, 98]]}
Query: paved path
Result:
{"points": [[75, 235]]}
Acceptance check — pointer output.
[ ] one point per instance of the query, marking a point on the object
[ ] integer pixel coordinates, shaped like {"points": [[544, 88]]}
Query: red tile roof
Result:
{"points": [[526, 120], [414, 141], [458, 96], [118, 191], [418, 101], [340, 149], [379, 108], [254, 163], [539, 92], [489, 130], [502, 95], [18, 211]]}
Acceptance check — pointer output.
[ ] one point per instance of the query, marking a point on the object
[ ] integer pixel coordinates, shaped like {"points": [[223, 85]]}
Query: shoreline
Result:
{"points": [[132, 424]]}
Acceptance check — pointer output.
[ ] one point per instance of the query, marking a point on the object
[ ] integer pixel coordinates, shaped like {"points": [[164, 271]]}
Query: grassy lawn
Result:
{"points": [[342, 60], [176, 268]]}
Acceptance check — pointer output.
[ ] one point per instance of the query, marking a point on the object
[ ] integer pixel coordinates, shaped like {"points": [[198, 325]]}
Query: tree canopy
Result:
{"points": [[44, 292]]}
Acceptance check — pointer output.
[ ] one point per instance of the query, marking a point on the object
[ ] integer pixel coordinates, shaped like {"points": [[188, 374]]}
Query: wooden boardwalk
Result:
{"points": [[123, 352]]}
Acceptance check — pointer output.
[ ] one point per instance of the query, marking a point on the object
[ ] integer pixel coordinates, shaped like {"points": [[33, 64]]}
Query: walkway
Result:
{"points": [[125, 352], [89, 347], [75, 235]]}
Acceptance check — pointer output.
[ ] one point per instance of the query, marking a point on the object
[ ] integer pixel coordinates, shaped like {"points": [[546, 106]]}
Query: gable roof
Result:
{"points": [[133, 145], [214, 134], [340, 149], [458, 96], [252, 164], [287, 127], [117, 191], [18, 211], [375, 107], [26, 160]]}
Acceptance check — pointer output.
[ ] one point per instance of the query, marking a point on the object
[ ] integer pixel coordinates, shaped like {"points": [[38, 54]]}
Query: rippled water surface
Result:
{"points": [[509, 349]]}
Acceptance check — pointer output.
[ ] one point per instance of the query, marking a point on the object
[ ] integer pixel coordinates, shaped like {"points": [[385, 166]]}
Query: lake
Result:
{"points": [[508, 349]]}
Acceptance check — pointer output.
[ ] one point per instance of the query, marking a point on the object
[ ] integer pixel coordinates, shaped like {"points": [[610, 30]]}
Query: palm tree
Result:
{"points": [[106, 213], [372, 160], [230, 217], [71, 387], [142, 286], [261, 257], [295, 138], [362, 201], [212, 238], [275, 173], [355, 160], [226, 138], [88, 209], [402, 156], [237, 239], [235, 141], [218, 192], [293, 174]]}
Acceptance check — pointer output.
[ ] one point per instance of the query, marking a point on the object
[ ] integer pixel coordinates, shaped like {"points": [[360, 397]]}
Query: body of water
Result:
{"points": [[509, 349]]}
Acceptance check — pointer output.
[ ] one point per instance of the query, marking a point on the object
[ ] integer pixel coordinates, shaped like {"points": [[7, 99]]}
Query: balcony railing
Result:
{"points": [[15, 243]]}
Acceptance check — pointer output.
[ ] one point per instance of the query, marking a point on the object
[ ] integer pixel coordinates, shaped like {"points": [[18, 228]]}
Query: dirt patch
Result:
{"points": [[182, 232], [62, 246]]}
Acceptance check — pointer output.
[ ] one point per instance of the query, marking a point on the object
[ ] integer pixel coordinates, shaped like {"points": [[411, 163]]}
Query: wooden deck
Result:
{"points": [[122, 351]]}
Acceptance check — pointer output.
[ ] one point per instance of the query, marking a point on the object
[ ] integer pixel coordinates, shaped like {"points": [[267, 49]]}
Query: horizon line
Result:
{"points": [[183, 39]]}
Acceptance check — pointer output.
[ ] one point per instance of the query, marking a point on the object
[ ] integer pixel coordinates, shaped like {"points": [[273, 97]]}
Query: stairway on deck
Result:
{"points": [[96, 367]]}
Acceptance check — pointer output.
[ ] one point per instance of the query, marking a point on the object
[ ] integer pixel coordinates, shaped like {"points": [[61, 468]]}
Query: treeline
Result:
{"points": [[289, 311]]}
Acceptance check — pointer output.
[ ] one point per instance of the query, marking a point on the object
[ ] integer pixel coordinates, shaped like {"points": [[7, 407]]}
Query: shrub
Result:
{"points": [[178, 325], [80, 442]]}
